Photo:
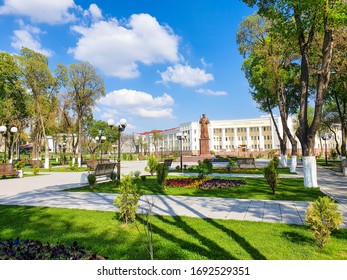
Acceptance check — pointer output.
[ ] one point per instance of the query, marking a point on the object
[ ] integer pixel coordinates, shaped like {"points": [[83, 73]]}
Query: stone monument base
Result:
{"points": [[204, 147]]}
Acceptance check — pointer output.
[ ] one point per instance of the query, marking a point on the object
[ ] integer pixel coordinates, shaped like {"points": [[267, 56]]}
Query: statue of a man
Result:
{"points": [[203, 125]]}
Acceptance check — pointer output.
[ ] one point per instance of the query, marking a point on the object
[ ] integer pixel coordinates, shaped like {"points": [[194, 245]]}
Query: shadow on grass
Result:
{"points": [[218, 251], [297, 238]]}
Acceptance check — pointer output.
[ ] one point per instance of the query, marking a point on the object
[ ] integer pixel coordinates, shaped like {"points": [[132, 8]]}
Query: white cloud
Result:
{"points": [[211, 92], [117, 49], [138, 103], [51, 12], [29, 37], [185, 75], [95, 12]]}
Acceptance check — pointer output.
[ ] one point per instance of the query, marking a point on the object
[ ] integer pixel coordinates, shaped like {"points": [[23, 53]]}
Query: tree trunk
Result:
{"points": [[79, 142]]}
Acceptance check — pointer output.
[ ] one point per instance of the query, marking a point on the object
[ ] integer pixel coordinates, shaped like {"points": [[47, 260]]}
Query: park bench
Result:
{"points": [[35, 162], [245, 162], [7, 170], [91, 164], [104, 169]]}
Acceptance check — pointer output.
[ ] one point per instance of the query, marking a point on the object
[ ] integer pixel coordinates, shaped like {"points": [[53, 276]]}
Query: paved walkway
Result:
{"points": [[44, 190]]}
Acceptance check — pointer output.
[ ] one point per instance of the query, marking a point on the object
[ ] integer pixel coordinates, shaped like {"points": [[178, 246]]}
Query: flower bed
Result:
{"points": [[206, 183], [35, 250], [221, 184]]}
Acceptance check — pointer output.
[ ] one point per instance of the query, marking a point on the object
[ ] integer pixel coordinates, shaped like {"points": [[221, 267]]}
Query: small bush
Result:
{"points": [[36, 170], [333, 154], [276, 161], [19, 165], [91, 180], [271, 153], [231, 164], [204, 168], [152, 163], [271, 175], [162, 172], [127, 201], [178, 168], [113, 176], [143, 177], [137, 173], [322, 218]]}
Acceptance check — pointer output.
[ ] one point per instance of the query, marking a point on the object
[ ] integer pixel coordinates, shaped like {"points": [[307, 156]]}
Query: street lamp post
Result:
{"points": [[325, 137], [180, 138], [121, 127], [101, 139], [114, 152]]}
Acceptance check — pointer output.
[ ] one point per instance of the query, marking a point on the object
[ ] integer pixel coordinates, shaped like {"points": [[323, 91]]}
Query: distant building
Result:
{"points": [[227, 137]]}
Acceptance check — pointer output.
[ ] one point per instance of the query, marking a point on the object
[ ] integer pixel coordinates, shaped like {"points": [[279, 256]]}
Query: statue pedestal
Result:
{"points": [[204, 147]]}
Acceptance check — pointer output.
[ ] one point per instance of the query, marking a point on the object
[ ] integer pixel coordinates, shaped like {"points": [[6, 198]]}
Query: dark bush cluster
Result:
{"points": [[36, 250], [221, 184]]}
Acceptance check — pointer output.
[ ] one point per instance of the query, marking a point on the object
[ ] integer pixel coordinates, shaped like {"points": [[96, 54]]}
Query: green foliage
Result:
{"points": [[276, 161], [152, 163], [19, 165], [73, 167], [231, 164], [137, 173], [204, 168], [271, 154], [113, 176], [333, 154], [322, 218], [162, 172], [91, 180], [36, 170], [127, 201], [271, 175]]}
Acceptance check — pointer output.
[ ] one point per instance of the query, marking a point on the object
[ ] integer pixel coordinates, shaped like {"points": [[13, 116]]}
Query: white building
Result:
{"points": [[236, 137]]}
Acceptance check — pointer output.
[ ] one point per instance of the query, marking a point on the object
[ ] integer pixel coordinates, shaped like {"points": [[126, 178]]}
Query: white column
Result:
{"points": [[236, 142], [249, 145], [223, 138], [211, 135], [261, 138]]}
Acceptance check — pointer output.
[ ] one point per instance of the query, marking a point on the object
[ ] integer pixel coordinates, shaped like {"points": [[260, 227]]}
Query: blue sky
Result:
{"points": [[163, 62]]}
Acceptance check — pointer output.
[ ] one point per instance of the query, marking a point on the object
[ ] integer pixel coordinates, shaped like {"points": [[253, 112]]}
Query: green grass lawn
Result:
{"points": [[178, 238], [256, 188]]}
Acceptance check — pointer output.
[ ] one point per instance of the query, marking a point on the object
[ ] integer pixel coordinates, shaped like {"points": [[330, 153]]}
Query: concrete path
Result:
{"points": [[44, 190]]}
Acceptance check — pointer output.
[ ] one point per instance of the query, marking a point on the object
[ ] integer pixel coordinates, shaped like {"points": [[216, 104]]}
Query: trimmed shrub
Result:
{"points": [[91, 180], [231, 164], [204, 168], [36, 170], [152, 163], [322, 218], [276, 161], [162, 172], [128, 200], [113, 176], [137, 173], [271, 175]]}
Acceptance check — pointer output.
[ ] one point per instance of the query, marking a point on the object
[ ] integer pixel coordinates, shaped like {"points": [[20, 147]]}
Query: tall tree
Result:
{"points": [[337, 112], [13, 99], [270, 69], [42, 85], [84, 87], [302, 22]]}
